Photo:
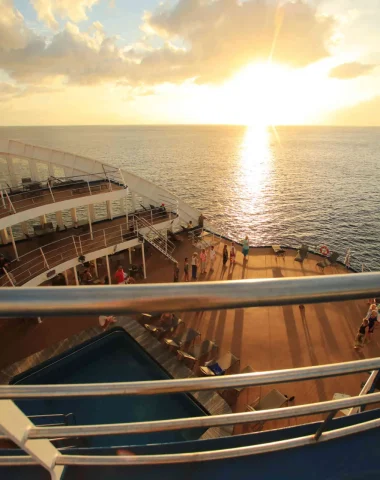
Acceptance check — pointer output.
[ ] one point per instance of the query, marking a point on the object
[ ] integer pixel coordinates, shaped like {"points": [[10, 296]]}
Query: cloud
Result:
{"points": [[364, 114], [49, 10], [9, 91], [224, 35], [351, 70], [216, 38], [13, 31]]}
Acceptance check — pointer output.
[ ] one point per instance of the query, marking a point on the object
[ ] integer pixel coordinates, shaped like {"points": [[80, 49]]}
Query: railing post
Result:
{"points": [[121, 233], [51, 191], [325, 424], [9, 277], [151, 217], [105, 238], [2, 198], [75, 245], [10, 203], [14, 243], [43, 256], [16, 426], [143, 257], [80, 245], [89, 188], [122, 177]]}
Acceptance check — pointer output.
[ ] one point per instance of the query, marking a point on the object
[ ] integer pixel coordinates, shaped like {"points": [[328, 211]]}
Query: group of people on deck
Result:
{"points": [[367, 328], [208, 256]]}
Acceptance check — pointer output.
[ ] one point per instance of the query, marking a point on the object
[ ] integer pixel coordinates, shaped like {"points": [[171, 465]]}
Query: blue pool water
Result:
{"points": [[112, 357]]}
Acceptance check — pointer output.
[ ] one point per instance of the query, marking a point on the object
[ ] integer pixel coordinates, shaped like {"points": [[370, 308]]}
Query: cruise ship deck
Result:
{"points": [[265, 338]]}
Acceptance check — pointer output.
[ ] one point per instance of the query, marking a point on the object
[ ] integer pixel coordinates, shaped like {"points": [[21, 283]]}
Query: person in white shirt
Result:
{"points": [[212, 257]]}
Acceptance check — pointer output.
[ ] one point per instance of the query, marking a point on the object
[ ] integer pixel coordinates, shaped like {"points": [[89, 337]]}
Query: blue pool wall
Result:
{"points": [[111, 357]]}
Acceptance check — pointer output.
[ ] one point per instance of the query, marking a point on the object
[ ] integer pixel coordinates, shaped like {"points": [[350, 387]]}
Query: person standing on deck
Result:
{"points": [[225, 255], [201, 220], [186, 270], [212, 258], [194, 266], [203, 259], [245, 249], [232, 254], [176, 272], [361, 335], [372, 317]]}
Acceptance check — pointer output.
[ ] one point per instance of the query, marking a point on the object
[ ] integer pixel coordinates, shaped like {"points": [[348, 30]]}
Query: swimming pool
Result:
{"points": [[112, 357]]}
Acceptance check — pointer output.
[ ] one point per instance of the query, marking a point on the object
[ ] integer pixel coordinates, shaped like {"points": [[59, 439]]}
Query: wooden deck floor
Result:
{"points": [[270, 338], [265, 338]]}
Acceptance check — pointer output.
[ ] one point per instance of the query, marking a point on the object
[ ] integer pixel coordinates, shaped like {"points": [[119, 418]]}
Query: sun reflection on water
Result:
{"points": [[255, 160]]}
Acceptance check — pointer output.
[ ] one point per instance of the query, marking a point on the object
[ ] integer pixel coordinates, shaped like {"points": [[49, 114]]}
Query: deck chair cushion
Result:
{"points": [[216, 369]]}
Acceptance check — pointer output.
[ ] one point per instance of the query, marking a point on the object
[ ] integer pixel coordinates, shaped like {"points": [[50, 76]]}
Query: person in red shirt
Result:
{"points": [[120, 275]]}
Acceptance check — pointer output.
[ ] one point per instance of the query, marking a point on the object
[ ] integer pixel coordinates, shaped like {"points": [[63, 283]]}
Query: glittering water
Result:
{"points": [[316, 185]]}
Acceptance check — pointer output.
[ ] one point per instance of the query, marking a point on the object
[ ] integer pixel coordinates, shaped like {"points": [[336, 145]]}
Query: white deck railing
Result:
{"points": [[36, 440]]}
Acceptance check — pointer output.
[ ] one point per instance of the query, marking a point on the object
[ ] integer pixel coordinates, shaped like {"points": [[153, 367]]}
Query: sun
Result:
{"points": [[257, 94]]}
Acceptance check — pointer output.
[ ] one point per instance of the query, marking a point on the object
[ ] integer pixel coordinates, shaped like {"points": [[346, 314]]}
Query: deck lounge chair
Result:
{"points": [[183, 340], [148, 318], [198, 352], [302, 254], [247, 369], [278, 251], [169, 326], [274, 399], [328, 261], [220, 366]]}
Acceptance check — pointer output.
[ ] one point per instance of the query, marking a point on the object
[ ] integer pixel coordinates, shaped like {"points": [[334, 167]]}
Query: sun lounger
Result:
{"points": [[278, 250], [327, 262], [274, 399], [197, 352], [184, 339], [220, 366], [169, 326], [302, 254], [247, 369]]}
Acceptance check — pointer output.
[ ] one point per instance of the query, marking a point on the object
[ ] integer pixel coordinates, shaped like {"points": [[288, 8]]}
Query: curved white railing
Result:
{"points": [[45, 258]]}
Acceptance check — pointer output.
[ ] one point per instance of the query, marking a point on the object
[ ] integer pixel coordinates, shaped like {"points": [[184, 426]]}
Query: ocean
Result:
{"points": [[292, 185]]}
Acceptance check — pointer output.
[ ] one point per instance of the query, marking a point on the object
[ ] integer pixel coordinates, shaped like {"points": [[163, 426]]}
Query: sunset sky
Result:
{"points": [[245, 62]]}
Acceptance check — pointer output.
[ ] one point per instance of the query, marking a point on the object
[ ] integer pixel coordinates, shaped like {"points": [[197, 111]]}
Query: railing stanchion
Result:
{"points": [[75, 245], [80, 245], [2, 198], [121, 233], [105, 238], [89, 188], [9, 277], [43, 256], [10, 203], [325, 424], [51, 191]]}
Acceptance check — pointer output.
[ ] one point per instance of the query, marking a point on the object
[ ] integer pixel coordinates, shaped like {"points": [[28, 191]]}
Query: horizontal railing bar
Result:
{"points": [[190, 297], [201, 422], [17, 461], [188, 384], [215, 454]]}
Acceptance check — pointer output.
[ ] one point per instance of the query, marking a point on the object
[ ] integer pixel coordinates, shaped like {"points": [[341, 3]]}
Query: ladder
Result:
{"points": [[155, 238]]}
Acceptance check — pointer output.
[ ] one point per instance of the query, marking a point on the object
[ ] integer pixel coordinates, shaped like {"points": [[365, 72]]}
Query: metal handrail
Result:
{"points": [[197, 456], [201, 422], [215, 454], [187, 384], [155, 298]]}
